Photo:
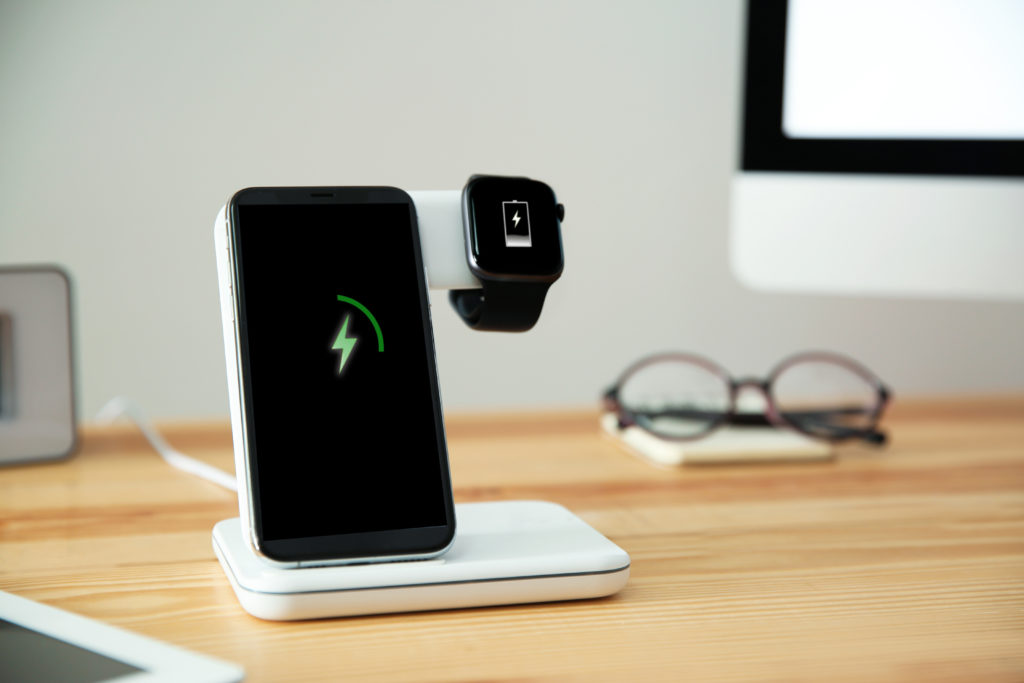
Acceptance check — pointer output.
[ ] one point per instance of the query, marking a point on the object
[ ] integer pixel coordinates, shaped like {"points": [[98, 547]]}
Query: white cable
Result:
{"points": [[120, 405]]}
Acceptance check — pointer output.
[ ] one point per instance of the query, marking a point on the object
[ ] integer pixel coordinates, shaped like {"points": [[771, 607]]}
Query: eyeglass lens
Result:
{"points": [[825, 398], [675, 398]]}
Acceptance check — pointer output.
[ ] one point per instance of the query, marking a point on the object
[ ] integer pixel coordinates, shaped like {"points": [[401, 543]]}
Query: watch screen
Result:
{"points": [[513, 227], [343, 413]]}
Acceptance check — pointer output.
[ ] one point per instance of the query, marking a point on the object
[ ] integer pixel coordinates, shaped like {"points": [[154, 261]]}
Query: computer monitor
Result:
{"points": [[882, 149]]}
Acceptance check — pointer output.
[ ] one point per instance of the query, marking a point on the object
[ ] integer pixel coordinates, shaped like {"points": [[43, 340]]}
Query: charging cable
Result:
{"points": [[121, 406]]}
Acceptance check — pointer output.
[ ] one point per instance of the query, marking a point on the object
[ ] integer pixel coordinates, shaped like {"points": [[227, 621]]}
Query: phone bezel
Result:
{"points": [[418, 542]]}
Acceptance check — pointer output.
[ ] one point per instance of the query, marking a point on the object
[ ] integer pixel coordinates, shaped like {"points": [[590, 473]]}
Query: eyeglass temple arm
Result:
{"points": [[820, 417], [820, 420]]}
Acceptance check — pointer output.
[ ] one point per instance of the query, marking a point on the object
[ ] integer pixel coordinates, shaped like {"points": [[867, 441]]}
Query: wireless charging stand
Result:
{"points": [[504, 553]]}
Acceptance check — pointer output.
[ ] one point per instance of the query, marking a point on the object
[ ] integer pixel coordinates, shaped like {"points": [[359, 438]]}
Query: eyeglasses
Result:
{"points": [[680, 396]]}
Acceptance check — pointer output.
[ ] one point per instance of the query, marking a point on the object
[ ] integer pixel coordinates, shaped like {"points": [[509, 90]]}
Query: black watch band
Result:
{"points": [[500, 306]]}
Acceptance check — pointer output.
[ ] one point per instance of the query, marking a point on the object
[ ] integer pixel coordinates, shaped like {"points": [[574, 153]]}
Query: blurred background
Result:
{"points": [[124, 126]]}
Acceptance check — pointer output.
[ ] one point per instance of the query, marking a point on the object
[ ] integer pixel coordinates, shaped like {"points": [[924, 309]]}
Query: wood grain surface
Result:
{"points": [[899, 564]]}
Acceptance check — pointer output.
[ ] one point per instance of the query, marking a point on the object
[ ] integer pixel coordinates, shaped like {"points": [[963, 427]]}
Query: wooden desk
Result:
{"points": [[906, 563]]}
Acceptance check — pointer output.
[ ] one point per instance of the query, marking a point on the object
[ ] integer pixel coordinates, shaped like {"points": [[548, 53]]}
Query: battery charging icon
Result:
{"points": [[517, 224]]}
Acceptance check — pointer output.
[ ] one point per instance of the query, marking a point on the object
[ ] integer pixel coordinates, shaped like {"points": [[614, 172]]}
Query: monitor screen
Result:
{"points": [[902, 69], [879, 87]]}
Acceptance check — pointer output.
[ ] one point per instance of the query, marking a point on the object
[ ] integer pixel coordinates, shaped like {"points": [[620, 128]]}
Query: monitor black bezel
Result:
{"points": [[765, 147]]}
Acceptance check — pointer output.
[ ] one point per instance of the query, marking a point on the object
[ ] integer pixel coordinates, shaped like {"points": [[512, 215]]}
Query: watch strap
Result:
{"points": [[500, 306]]}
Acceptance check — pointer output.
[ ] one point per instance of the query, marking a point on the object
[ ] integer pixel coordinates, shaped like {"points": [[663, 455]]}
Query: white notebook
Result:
{"points": [[724, 445]]}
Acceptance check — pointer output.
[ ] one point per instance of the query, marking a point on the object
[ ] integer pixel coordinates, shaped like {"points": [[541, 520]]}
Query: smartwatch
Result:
{"points": [[513, 235]]}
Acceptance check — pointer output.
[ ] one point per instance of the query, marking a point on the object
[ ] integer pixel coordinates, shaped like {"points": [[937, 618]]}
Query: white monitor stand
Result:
{"points": [[504, 553]]}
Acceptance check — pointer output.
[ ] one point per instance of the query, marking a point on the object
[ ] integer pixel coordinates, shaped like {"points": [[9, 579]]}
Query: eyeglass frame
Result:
{"points": [[772, 417]]}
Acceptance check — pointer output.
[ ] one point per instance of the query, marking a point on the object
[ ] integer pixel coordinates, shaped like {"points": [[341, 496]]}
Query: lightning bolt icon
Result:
{"points": [[344, 344], [516, 218]]}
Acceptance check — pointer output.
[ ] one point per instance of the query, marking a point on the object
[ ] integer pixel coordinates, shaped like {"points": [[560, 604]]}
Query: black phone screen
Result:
{"points": [[345, 435]]}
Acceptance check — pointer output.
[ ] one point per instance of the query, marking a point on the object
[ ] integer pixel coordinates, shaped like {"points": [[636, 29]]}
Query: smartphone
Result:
{"points": [[339, 440]]}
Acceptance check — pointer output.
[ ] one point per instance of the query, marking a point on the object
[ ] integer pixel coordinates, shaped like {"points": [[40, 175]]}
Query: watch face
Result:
{"points": [[513, 227]]}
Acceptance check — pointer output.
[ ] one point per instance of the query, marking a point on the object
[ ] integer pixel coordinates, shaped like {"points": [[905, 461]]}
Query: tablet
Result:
{"points": [[43, 643]]}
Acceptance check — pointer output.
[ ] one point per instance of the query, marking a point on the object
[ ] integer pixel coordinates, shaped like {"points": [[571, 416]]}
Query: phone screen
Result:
{"points": [[345, 435]]}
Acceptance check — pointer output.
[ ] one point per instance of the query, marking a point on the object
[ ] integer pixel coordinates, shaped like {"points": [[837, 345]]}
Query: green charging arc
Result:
{"points": [[364, 309]]}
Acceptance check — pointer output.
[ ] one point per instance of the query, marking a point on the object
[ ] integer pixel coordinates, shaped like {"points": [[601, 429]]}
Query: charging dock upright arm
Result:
{"points": [[439, 214]]}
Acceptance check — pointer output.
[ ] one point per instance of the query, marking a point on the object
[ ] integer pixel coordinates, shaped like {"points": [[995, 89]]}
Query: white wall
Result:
{"points": [[125, 125]]}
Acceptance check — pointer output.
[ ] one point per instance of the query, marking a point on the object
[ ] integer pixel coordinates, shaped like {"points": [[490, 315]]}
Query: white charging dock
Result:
{"points": [[504, 553]]}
